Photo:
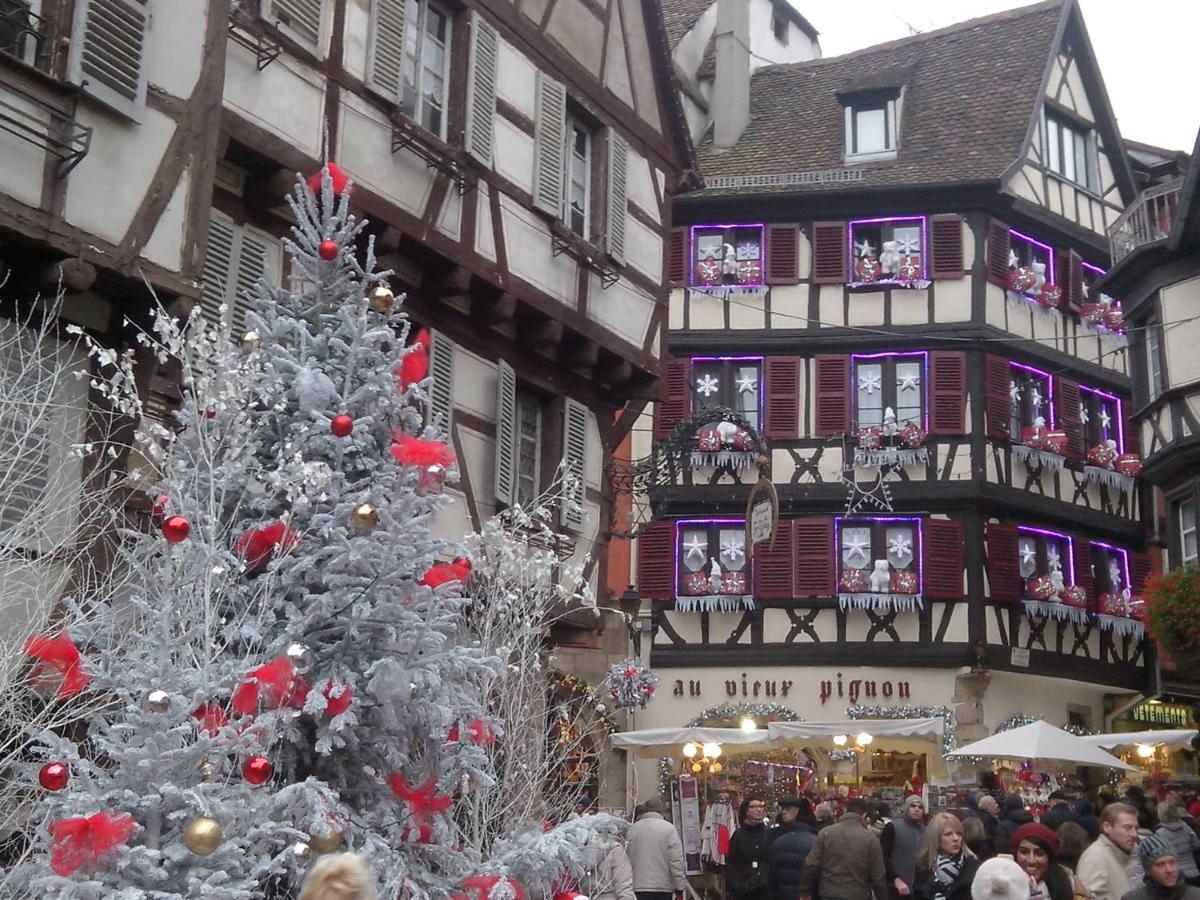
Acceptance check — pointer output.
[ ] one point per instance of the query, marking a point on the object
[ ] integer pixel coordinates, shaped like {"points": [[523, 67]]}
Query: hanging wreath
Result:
{"points": [[630, 684]]}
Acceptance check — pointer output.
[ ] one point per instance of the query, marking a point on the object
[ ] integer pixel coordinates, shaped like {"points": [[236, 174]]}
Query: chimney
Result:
{"points": [[731, 87]]}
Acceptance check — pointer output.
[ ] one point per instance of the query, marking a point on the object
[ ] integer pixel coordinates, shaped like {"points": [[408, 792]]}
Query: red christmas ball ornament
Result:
{"points": [[341, 425], [257, 769], [336, 705], [327, 250], [159, 510], [54, 776], [176, 529]]}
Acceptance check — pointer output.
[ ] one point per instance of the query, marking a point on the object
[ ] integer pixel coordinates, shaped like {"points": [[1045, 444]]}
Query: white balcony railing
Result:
{"points": [[1147, 219]]}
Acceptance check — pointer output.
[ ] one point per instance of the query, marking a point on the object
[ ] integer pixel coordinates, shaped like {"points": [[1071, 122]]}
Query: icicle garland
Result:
{"points": [[731, 459], [1110, 477], [890, 456], [1060, 611], [714, 602], [880, 602], [1036, 459], [1122, 626], [630, 684]]}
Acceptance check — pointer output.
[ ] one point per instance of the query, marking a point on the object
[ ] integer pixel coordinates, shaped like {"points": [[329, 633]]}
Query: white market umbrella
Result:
{"points": [[1040, 740], [1171, 738]]}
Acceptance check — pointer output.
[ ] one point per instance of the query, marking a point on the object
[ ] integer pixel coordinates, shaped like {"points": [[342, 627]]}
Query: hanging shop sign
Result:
{"points": [[1169, 714], [748, 687], [762, 514]]}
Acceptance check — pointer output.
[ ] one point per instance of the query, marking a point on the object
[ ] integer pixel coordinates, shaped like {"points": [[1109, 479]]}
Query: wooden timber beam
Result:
{"points": [[493, 310], [541, 334], [578, 352]]}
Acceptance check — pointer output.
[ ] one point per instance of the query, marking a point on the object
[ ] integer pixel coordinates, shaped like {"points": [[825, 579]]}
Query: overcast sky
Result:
{"points": [[1147, 50]]}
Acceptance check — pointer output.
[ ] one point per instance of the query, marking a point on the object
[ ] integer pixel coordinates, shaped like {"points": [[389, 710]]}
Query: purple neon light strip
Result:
{"points": [[762, 251], [924, 242], [916, 520], [1096, 269], [697, 359], [924, 368], [1058, 535], [1124, 559], [1049, 386], [1049, 252]]}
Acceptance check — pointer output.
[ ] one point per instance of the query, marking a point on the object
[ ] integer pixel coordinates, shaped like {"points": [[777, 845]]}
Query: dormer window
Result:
{"points": [[872, 125], [779, 27]]}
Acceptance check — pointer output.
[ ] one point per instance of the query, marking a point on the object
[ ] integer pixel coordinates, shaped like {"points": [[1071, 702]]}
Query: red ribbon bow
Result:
{"points": [[60, 655], [423, 800], [478, 732], [415, 364], [337, 177], [275, 684], [480, 887], [81, 841], [257, 545], [442, 573], [413, 451]]}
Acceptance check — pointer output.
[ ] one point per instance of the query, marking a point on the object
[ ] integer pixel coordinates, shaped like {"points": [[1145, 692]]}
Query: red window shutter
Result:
{"points": [[997, 400], [1074, 297], [783, 254], [942, 567], [946, 246], [677, 406], [1139, 571], [656, 561], [774, 569], [1133, 437], [1062, 278], [829, 252], [998, 245], [816, 569], [1068, 419], [782, 397], [1081, 548], [1004, 574], [832, 380], [677, 258], [948, 392]]}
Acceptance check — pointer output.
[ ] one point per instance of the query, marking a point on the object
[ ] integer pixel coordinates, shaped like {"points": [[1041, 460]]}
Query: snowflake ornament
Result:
{"points": [[708, 385], [1053, 559], [1105, 419], [747, 384], [733, 549], [900, 546], [870, 382], [908, 246]]}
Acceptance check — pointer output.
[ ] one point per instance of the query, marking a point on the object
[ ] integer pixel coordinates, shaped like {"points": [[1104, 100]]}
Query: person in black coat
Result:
{"points": [[1059, 812], [746, 872], [791, 840], [1087, 817], [1013, 815], [946, 867]]}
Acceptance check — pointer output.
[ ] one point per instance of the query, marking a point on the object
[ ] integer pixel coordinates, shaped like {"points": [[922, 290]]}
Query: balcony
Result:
{"points": [[1148, 218], [23, 35]]}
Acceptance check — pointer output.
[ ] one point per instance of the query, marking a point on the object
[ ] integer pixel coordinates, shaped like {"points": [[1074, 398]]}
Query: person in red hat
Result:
{"points": [[1036, 850]]}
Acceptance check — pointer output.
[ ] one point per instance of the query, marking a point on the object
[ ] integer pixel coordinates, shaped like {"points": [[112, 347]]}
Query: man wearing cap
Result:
{"points": [[1104, 867], [791, 840], [1059, 812], [845, 863], [901, 843], [1163, 880]]}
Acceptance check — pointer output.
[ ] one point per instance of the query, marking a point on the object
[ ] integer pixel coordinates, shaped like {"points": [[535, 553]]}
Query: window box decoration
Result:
{"points": [[889, 252], [888, 391], [1172, 613], [1107, 465], [1118, 609], [1046, 561], [1031, 401], [880, 563], [724, 446], [711, 566], [729, 257], [726, 384], [1031, 271]]}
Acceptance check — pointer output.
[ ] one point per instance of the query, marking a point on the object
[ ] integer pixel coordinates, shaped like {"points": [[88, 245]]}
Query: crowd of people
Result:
{"points": [[1131, 848]]}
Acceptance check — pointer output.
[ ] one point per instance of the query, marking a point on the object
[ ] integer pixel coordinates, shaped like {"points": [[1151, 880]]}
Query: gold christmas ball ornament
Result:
{"points": [[158, 701], [380, 299], [301, 853], [203, 835], [251, 338], [300, 656], [364, 519], [325, 843]]}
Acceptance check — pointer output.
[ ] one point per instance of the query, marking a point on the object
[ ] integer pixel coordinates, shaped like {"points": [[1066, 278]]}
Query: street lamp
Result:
{"points": [[864, 739], [1145, 751], [839, 740], [689, 750], [712, 750], [748, 724]]}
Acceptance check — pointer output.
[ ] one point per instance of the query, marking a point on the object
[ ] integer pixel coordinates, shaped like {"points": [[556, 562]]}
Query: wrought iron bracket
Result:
{"points": [[247, 29], [407, 136], [42, 125], [564, 241]]}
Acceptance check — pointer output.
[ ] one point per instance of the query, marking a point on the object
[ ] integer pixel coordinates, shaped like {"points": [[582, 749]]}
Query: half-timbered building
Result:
{"points": [[882, 302], [1155, 247]]}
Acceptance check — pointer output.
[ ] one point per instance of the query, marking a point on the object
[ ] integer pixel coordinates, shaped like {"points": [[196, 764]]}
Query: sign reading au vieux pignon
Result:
{"points": [[852, 690]]}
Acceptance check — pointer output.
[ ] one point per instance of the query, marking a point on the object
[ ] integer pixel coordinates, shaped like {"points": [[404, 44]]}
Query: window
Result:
{"points": [[1100, 415], [235, 258], [727, 254], [779, 27], [729, 382], [1032, 394], [1185, 512], [1110, 568], [879, 556], [1044, 554], [106, 56], [426, 65], [528, 448], [888, 250], [871, 126], [1030, 264], [1071, 152], [1156, 378], [577, 176], [712, 558], [889, 383], [301, 18]]}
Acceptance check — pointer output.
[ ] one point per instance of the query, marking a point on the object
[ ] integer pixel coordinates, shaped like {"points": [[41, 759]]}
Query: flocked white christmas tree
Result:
{"points": [[287, 673]]}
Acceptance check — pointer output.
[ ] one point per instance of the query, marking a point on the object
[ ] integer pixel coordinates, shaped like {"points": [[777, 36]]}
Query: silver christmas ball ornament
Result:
{"points": [[158, 701], [300, 656], [301, 853]]}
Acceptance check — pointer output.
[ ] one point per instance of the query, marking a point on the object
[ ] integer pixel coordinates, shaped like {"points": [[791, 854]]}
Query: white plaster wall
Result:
{"points": [[622, 308], [365, 151], [285, 99], [765, 49], [449, 220], [866, 309], [530, 257], [516, 78], [122, 153], [356, 40], [165, 246], [174, 45], [21, 172], [1180, 302], [789, 305], [1075, 81], [676, 303], [689, 52], [485, 233], [643, 249], [639, 186]]}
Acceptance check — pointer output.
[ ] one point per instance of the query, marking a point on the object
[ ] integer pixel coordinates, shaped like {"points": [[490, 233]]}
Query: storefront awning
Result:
{"points": [[878, 728], [1171, 738], [669, 741]]}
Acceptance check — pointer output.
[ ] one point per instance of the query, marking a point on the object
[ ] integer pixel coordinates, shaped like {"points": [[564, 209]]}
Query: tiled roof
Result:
{"points": [[970, 90], [681, 15]]}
